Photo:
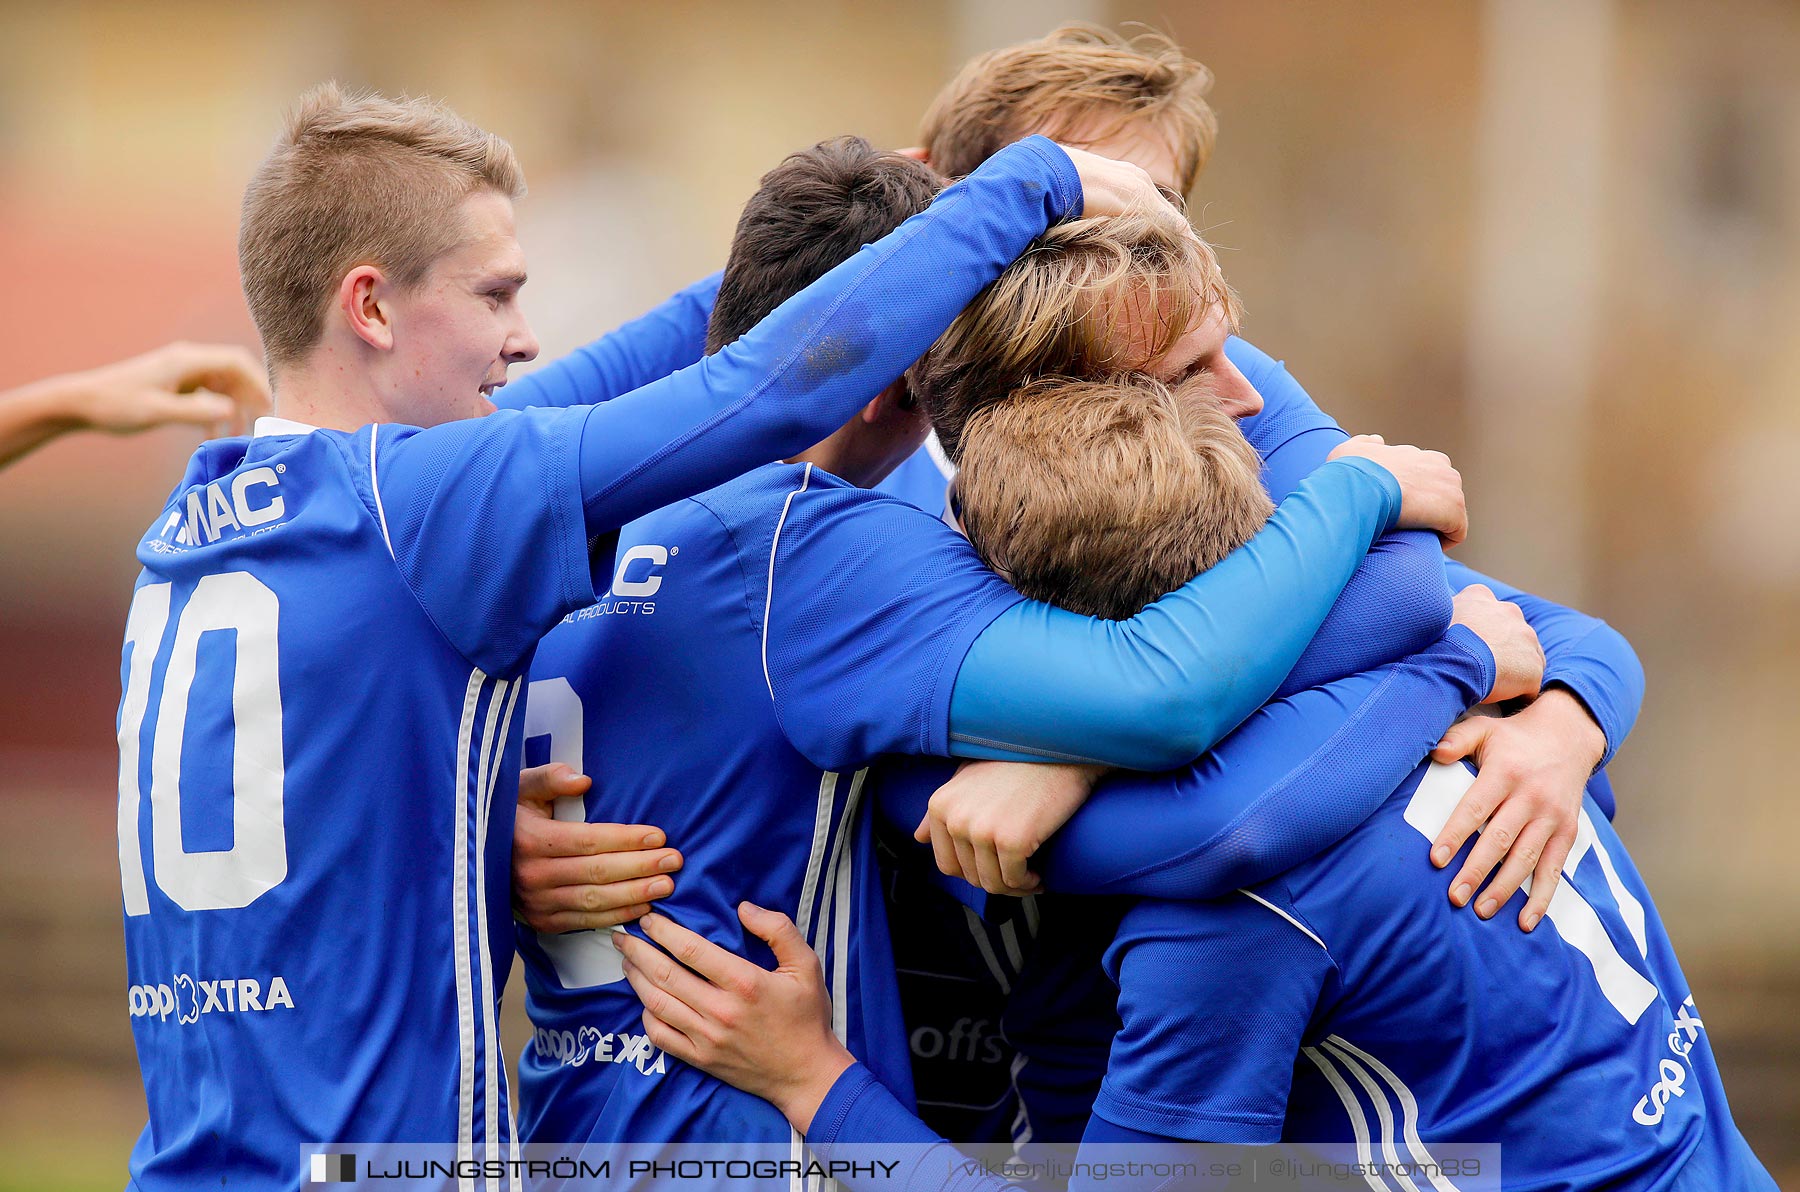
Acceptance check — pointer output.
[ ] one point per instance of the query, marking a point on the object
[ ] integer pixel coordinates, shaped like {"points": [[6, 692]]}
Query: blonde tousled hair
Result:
{"points": [[1102, 496], [1079, 76], [1088, 299], [356, 178]]}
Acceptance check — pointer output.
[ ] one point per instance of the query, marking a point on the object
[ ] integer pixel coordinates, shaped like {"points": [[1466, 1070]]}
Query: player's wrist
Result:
{"points": [[55, 405], [1472, 645], [1564, 711], [799, 1100]]}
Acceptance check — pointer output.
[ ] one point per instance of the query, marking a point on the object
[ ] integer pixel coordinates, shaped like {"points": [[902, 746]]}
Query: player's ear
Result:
{"points": [[362, 297], [894, 401]]}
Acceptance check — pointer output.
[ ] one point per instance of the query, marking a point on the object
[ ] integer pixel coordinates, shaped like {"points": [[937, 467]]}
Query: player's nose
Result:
{"points": [[521, 345], [1238, 397]]}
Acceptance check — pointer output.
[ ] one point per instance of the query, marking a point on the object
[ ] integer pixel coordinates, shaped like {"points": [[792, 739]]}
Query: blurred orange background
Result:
{"points": [[1559, 239]]}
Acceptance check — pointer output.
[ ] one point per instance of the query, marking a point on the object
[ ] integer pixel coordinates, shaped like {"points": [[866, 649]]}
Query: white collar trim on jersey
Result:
{"points": [[268, 425], [952, 515]]}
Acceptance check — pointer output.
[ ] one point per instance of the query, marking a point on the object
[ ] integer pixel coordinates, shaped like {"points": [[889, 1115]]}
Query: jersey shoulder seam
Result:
{"points": [[362, 487], [1289, 913], [737, 551], [1331, 985]]}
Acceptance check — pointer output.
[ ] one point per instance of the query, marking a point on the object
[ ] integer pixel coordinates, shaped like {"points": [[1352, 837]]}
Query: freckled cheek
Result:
{"points": [[468, 345]]}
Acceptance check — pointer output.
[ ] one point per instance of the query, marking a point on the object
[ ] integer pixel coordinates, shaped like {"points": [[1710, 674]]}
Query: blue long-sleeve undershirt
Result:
{"points": [[808, 367], [1299, 775], [648, 348], [859, 1111], [1155, 691], [860, 1123], [875, 1144]]}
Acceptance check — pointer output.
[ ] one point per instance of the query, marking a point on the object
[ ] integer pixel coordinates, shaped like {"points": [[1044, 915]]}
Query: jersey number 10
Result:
{"points": [[257, 860]]}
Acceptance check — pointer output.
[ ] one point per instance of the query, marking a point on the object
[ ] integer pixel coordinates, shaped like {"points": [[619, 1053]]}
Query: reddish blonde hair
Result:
{"points": [[1077, 76]]}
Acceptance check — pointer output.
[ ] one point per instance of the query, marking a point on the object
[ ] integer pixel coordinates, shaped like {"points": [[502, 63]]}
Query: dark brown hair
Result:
{"points": [[810, 214]]}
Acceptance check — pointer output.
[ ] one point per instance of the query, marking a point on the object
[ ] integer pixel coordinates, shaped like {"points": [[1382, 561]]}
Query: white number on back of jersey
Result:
{"points": [[583, 959], [552, 709], [257, 860], [1575, 918]]}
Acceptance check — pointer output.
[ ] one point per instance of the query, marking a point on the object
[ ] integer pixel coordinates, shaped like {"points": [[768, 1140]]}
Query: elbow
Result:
{"points": [[1610, 649], [1631, 685], [1174, 728], [1630, 664], [1151, 734]]}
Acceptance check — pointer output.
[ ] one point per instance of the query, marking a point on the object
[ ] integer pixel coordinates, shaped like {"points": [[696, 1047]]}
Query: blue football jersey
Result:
{"points": [[1348, 1001], [1395, 604], [318, 750], [322, 672], [668, 693]]}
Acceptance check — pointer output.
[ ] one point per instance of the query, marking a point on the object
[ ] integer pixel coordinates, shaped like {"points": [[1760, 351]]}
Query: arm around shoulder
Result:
{"points": [[1155, 691]]}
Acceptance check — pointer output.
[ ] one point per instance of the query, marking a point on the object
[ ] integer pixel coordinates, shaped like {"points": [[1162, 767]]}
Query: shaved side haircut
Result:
{"points": [[356, 179]]}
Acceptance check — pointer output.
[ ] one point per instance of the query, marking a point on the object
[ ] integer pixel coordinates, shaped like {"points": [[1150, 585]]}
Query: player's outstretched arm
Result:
{"points": [[801, 372], [649, 348], [1298, 775], [1155, 691], [673, 335], [178, 384]]}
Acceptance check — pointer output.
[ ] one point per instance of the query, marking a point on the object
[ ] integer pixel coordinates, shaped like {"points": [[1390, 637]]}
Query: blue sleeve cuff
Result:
{"points": [[859, 1109], [1390, 487], [1470, 643], [1066, 193]]}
